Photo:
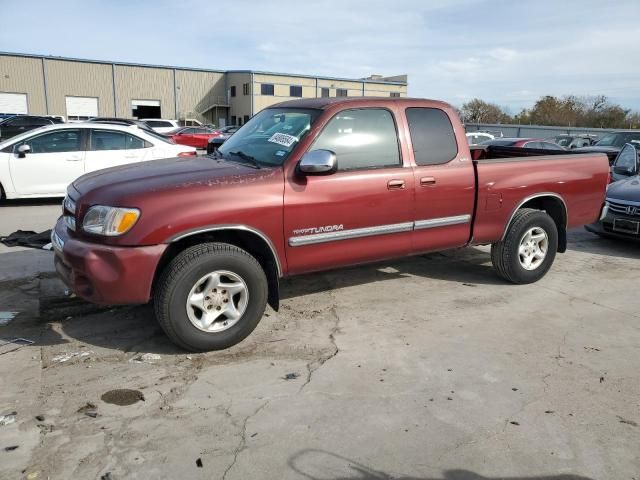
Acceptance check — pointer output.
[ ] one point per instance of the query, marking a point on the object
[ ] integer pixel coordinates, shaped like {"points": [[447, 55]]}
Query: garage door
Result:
{"points": [[13, 103], [146, 109], [81, 108]]}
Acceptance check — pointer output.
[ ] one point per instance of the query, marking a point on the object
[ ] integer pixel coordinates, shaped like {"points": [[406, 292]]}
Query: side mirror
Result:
{"points": [[23, 150], [318, 162], [627, 172]]}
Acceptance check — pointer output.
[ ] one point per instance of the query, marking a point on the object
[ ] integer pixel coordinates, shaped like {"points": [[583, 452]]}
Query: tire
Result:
{"points": [[187, 277], [505, 254]]}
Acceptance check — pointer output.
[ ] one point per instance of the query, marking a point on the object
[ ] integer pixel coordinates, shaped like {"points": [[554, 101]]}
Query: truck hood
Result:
{"points": [[171, 173], [625, 190]]}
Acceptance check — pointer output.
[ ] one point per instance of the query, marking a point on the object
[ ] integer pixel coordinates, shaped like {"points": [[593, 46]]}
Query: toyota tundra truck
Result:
{"points": [[312, 185]]}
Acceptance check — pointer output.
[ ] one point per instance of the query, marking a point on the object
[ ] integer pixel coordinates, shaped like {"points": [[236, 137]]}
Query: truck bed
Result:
{"points": [[509, 177]]}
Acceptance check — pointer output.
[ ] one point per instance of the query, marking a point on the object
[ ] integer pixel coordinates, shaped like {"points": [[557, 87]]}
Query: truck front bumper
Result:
{"points": [[103, 273]]}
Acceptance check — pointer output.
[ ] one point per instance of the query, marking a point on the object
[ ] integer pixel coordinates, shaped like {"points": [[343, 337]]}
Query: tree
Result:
{"points": [[479, 111]]}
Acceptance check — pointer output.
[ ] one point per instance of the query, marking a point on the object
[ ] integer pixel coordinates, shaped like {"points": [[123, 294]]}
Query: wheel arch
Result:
{"points": [[249, 239], [551, 203]]}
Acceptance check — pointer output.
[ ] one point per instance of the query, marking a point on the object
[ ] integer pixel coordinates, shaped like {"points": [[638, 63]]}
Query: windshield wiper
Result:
{"points": [[246, 157]]}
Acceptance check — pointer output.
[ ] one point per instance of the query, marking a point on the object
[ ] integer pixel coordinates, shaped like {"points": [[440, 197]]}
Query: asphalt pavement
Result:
{"points": [[426, 368]]}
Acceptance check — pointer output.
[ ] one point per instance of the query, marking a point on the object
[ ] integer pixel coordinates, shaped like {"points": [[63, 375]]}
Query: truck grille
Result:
{"points": [[623, 209]]}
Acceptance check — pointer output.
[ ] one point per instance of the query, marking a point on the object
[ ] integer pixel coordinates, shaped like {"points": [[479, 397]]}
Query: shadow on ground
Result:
{"points": [[323, 465], [31, 202], [61, 320], [134, 328], [582, 241]]}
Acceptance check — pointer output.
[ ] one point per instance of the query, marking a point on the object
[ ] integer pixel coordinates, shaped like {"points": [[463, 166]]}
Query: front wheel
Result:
{"points": [[527, 252], [210, 297]]}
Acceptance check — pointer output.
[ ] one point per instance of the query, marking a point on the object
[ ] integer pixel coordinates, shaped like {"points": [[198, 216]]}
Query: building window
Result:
{"points": [[233, 120], [233, 91], [245, 89], [295, 91], [246, 118], [394, 94], [325, 92], [266, 89], [342, 92]]}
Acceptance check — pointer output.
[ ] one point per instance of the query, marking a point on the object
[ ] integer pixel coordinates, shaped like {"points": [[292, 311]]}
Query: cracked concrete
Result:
{"points": [[411, 369]]}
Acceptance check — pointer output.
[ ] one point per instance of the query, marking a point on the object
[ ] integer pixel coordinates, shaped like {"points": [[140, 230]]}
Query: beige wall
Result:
{"points": [[198, 93], [383, 90], [281, 84], [144, 83], [24, 75], [240, 104], [79, 80]]}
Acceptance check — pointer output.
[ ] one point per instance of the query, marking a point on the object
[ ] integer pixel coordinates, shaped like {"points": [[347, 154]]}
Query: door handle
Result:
{"points": [[426, 181], [74, 159], [395, 185]]}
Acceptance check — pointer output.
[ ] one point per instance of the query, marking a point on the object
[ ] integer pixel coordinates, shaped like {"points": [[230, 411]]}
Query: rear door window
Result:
{"points": [[432, 136], [114, 140]]}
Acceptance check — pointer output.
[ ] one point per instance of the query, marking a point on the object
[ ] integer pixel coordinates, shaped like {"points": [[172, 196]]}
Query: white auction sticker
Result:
{"points": [[283, 139]]}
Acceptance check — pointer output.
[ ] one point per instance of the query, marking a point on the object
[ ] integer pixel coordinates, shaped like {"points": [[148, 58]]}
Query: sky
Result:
{"points": [[509, 52]]}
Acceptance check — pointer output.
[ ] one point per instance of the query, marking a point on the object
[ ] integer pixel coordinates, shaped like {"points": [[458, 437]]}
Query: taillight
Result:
{"points": [[187, 154]]}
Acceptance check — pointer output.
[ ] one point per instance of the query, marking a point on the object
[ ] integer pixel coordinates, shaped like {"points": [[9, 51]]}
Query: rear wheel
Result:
{"points": [[210, 297], [528, 249]]}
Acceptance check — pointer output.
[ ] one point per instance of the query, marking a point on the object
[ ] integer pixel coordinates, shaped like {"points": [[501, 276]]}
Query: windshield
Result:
{"points": [[618, 139], [561, 140], [270, 136]]}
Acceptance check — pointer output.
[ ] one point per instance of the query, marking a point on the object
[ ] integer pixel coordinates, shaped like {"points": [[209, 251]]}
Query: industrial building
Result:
{"points": [[79, 89]]}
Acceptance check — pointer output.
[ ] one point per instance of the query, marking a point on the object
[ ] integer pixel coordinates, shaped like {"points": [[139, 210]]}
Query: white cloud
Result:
{"points": [[499, 50]]}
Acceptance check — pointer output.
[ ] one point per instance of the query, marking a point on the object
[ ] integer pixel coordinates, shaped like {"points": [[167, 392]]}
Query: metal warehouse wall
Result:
{"points": [[198, 91], [537, 131], [24, 75], [77, 79], [144, 83]]}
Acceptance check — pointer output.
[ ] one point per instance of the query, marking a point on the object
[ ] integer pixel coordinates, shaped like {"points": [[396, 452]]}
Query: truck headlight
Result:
{"points": [[109, 221]]}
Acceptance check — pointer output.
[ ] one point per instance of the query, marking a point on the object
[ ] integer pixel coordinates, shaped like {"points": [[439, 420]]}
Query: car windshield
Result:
{"points": [[563, 141], [270, 136], [618, 139]]}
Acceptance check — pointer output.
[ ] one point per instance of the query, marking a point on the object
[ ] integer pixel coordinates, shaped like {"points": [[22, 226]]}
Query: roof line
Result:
{"points": [[195, 69]]}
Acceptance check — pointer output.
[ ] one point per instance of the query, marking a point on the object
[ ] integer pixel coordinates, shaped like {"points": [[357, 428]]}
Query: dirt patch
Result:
{"points": [[122, 397]]}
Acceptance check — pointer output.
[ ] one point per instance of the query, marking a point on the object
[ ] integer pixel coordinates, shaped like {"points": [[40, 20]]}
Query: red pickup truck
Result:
{"points": [[311, 185]]}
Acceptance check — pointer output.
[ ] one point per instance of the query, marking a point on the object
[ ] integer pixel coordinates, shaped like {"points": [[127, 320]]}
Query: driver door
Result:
{"points": [[56, 159], [360, 213]]}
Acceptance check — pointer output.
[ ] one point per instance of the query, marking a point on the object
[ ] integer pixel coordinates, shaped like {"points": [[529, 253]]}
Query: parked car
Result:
{"points": [[196, 137], [122, 121], [612, 143], [209, 240], [537, 143], [622, 211], [189, 122], [572, 141], [224, 133], [474, 138], [41, 163], [17, 124], [160, 125], [627, 163]]}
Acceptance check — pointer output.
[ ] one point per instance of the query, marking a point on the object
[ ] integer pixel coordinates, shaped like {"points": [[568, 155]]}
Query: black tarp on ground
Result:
{"points": [[27, 238]]}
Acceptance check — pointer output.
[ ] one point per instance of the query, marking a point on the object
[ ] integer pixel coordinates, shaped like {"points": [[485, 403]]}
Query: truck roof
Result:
{"points": [[323, 103]]}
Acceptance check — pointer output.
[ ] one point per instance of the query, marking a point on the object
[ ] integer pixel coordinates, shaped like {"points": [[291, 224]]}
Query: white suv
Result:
{"points": [[161, 125], [42, 162]]}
